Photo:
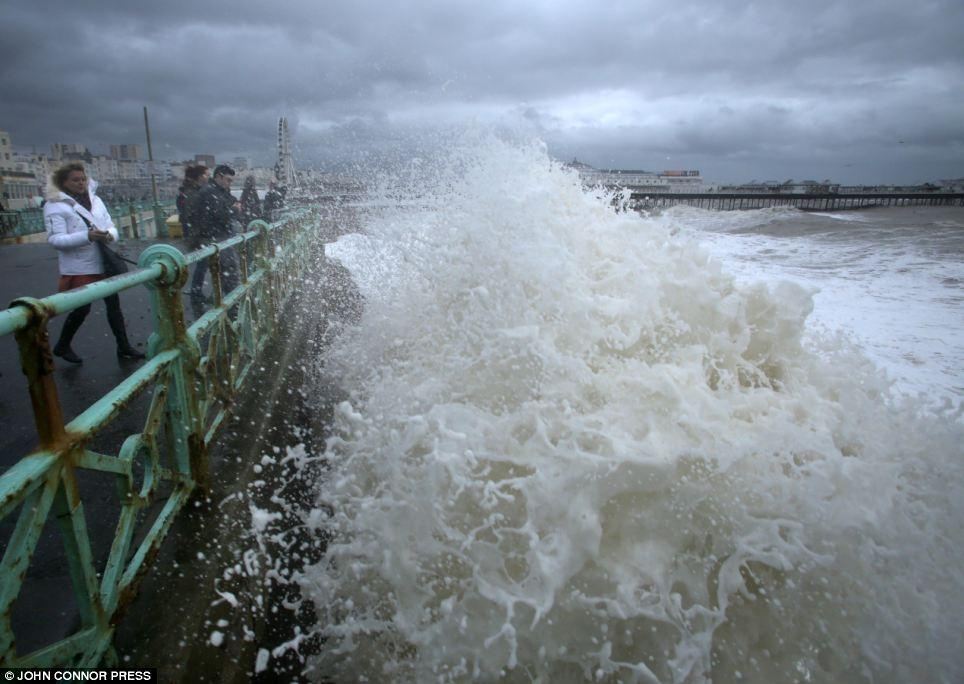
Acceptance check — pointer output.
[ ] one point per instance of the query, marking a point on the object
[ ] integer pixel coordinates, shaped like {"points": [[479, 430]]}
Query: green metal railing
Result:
{"points": [[194, 374]]}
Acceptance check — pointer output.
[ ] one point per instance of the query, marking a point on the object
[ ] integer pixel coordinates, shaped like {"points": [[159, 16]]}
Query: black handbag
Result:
{"points": [[114, 263]]}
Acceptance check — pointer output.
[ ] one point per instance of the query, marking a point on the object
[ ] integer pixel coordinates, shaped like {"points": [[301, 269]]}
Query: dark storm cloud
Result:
{"points": [[750, 89]]}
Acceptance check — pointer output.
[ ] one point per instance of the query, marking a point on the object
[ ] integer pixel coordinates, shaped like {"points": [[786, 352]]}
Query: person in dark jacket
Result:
{"points": [[215, 218], [195, 177], [250, 204], [273, 201]]}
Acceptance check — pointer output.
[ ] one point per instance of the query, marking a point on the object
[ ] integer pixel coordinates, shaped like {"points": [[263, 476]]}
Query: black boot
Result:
{"points": [[67, 354], [71, 325], [125, 350], [129, 352], [116, 320]]}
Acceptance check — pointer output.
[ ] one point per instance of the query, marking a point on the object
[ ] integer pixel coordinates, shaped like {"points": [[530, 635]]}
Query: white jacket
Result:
{"points": [[67, 232]]}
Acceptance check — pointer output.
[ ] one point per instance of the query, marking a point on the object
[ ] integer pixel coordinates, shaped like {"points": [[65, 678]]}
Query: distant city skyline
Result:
{"points": [[122, 169], [136, 152]]}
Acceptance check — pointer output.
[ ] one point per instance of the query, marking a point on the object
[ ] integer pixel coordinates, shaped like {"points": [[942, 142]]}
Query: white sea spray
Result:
{"points": [[890, 279], [576, 448]]}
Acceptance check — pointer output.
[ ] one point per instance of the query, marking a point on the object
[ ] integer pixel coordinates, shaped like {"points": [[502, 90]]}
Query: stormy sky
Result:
{"points": [[862, 91]]}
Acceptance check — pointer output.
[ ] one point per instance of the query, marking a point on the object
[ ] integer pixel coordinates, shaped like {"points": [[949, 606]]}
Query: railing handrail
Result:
{"points": [[17, 317]]}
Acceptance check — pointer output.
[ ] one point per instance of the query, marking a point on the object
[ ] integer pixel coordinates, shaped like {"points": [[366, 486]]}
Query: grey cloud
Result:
{"points": [[754, 81]]}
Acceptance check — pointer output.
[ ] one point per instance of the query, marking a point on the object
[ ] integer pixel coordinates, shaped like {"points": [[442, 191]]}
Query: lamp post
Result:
{"points": [[160, 224]]}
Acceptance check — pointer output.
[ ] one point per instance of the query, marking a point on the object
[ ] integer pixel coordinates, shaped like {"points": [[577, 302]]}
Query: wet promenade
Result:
{"points": [[30, 270], [179, 623]]}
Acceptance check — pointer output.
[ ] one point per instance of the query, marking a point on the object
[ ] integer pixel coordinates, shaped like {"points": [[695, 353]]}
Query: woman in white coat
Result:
{"points": [[76, 219]]}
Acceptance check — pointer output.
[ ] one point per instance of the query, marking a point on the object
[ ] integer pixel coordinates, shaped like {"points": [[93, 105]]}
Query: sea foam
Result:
{"points": [[575, 448]]}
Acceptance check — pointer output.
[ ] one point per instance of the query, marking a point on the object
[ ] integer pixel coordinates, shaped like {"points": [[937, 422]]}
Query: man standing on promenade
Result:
{"points": [[273, 201], [214, 218], [196, 177]]}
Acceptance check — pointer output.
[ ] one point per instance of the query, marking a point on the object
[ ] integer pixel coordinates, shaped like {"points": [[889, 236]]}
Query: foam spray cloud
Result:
{"points": [[575, 448]]}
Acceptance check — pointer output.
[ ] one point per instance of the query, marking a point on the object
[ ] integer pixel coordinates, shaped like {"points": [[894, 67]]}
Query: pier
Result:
{"points": [[726, 201]]}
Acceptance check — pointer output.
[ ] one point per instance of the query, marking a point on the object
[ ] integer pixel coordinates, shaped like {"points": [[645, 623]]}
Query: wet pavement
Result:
{"points": [[170, 623], [46, 604], [30, 270], [219, 601], [212, 602]]}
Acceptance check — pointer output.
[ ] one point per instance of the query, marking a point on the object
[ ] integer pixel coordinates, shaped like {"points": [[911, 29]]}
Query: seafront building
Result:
{"points": [[139, 192], [692, 182], [205, 159], [125, 152], [123, 175], [18, 175], [651, 182]]}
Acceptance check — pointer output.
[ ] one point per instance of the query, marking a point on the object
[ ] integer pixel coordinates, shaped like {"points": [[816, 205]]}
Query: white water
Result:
{"points": [[891, 279], [576, 448]]}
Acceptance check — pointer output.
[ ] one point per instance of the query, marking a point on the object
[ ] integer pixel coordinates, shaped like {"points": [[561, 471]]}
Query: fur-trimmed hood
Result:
{"points": [[55, 194]]}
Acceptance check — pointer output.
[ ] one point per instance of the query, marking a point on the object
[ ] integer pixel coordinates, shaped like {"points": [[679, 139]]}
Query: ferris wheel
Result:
{"points": [[284, 170]]}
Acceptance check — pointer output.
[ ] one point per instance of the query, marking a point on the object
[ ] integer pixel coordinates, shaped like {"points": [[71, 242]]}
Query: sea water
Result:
{"points": [[890, 279], [583, 444]]}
